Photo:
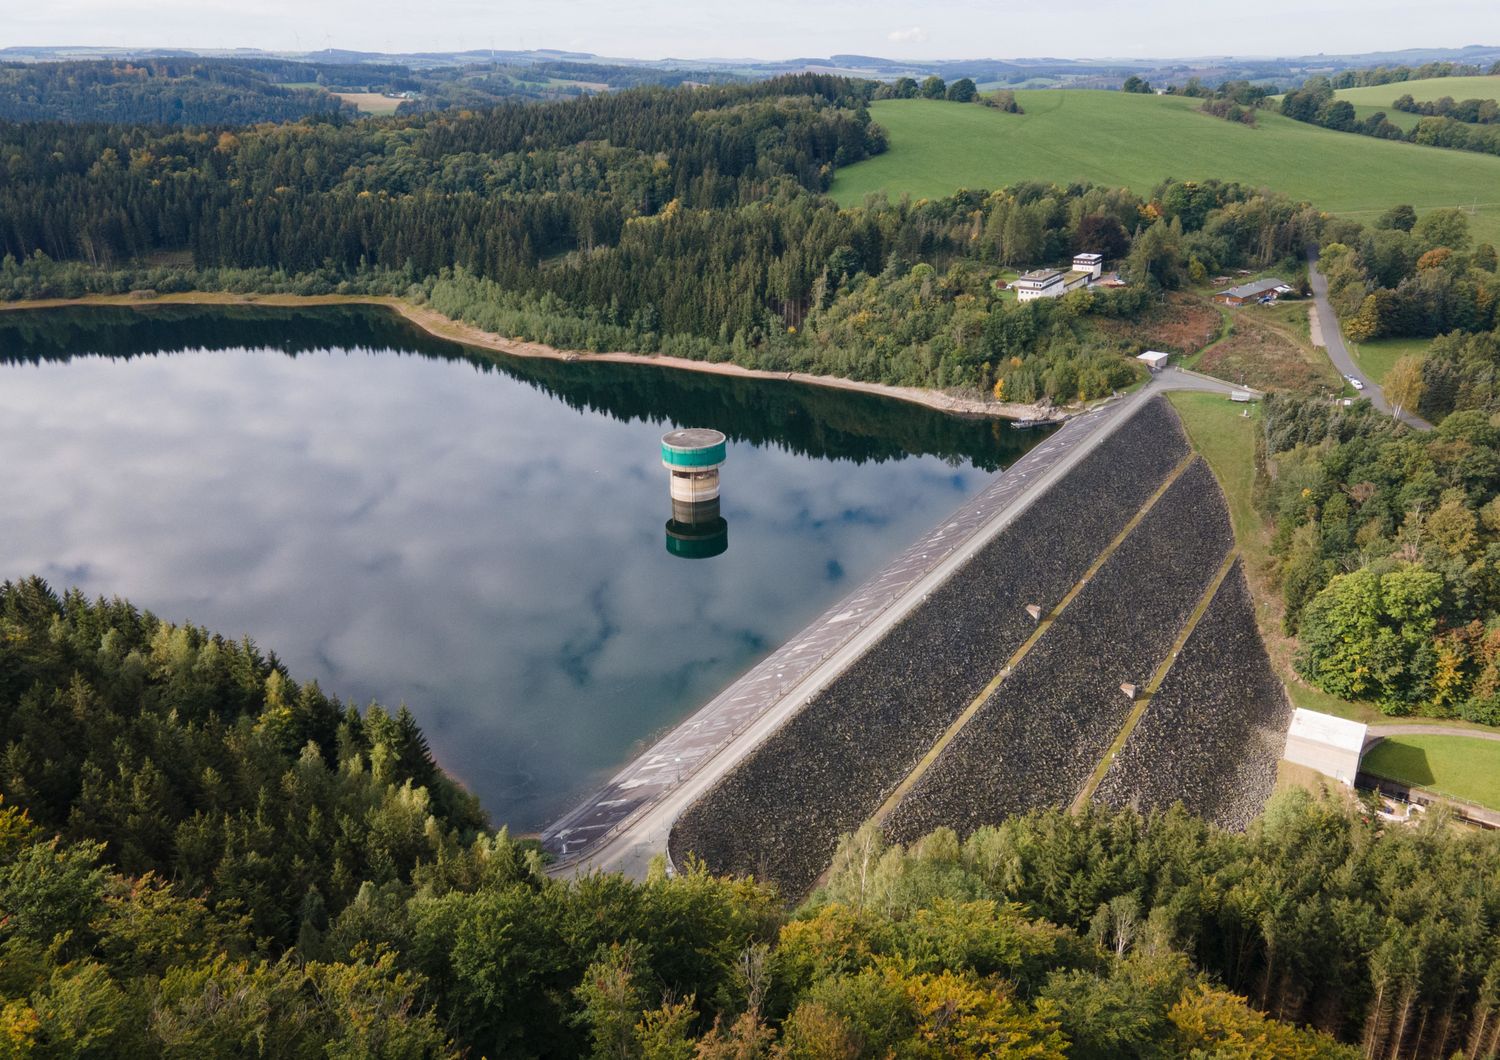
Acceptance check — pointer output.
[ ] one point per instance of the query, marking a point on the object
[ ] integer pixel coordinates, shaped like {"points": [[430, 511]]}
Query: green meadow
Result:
{"points": [[1399, 118], [1425, 91], [1461, 766], [1379, 356], [1136, 141], [1374, 98]]}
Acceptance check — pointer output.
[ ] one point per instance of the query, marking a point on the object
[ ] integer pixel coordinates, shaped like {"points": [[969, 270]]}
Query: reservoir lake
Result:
{"points": [[479, 537]]}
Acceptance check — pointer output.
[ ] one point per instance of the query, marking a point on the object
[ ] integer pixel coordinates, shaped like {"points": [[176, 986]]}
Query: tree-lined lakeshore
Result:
{"points": [[439, 326], [573, 225]]}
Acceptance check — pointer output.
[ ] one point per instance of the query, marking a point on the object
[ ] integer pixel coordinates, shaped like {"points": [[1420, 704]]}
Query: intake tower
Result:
{"points": [[693, 456]]}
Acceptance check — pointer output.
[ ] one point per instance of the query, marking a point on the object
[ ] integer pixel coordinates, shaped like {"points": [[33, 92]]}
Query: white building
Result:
{"points": [[1043, 283], [1155, 359], [1332, 746], [1093, 264], [1048, 283]]}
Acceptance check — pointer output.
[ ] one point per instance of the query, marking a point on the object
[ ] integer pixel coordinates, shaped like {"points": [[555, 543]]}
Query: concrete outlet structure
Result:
{"points": [[1333, 746], [694, 455]]}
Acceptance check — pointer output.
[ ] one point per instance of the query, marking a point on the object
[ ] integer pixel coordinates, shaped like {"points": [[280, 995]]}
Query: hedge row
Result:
{"points": [[1215, 729], [780, 813], [1036, 741]]}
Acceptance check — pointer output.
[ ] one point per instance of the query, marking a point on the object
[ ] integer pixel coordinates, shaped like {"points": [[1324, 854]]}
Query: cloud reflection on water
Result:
{"points": [[408, 530]]}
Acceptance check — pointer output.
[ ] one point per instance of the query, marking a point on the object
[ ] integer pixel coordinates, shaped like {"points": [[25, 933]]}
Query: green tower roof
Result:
{"points": [[693, 447]]}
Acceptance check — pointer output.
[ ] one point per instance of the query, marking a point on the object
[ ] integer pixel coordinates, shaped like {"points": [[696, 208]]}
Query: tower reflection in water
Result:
{"points": [[693, 456]]}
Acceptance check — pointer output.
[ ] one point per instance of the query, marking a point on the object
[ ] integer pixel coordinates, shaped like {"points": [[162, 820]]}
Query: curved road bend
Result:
{"points": [[1333, 343], [624, 825], [1375, 733]]}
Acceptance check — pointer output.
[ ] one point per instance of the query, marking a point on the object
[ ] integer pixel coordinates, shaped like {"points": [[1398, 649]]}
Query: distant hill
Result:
{"points": [[245, 85], [246, 90], [187, 91], [1114, 138], [1081, 72]]}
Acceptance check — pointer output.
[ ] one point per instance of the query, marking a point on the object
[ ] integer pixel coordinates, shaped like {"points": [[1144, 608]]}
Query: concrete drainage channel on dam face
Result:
{"points": [[576, 839], [1143, 700], [1044, 622]]}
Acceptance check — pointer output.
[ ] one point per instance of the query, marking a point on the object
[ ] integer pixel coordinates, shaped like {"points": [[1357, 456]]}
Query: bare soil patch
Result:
{"points": [[1183, 325], [1261, 353]]}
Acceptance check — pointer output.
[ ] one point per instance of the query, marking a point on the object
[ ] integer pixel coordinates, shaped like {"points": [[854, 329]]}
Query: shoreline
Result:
{"points": [[439, 326]]}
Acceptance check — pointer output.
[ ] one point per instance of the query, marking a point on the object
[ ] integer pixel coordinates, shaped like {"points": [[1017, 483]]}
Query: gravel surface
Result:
{"points": [[780, 813], [1036, 741], [1213, 732]]}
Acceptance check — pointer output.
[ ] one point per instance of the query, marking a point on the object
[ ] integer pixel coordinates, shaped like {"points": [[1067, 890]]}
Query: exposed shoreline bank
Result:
{"points": [[442, 327]]}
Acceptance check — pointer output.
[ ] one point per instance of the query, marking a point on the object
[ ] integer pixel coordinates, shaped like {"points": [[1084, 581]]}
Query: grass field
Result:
{"points": [[1399, 118], [1377, 356], [1380, 97], [1465, 768], [1425, 91], [1117, 138], [1225, 437], [370, 102]]}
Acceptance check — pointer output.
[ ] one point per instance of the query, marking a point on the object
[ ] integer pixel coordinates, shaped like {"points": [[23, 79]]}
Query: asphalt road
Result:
{"points": [[1333, 343], [627, 823]]}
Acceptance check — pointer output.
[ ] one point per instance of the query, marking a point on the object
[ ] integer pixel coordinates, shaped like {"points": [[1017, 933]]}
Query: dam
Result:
{"points": [[765, 776]]}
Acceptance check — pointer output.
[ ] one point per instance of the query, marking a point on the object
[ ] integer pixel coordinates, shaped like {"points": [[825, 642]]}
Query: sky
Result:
{"points": [[767, 29]]}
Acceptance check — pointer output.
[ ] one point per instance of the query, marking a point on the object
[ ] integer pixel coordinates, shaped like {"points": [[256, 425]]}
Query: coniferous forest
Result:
{"points": [[159, 92], [201, 856], [178, 90]]}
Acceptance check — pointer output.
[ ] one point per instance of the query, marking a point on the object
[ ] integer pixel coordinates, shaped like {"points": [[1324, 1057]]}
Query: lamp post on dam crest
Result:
{"points": [[693, 456]]}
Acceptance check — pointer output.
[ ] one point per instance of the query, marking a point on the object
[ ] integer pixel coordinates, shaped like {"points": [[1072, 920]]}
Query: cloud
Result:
{"points": [[915, 35]]}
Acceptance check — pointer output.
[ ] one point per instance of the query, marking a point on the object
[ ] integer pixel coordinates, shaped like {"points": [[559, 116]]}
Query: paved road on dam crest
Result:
{"points": [[627, 823]]}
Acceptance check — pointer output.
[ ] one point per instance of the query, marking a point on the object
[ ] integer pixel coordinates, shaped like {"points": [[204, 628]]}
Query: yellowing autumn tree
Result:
{"points": [[1404, 384]]}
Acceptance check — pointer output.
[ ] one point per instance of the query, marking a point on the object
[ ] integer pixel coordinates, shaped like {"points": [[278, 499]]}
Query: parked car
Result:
{"points": [[1357, 384]]}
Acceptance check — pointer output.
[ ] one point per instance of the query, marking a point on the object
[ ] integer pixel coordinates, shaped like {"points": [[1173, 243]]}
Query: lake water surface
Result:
{"points": [[480, 538]]}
